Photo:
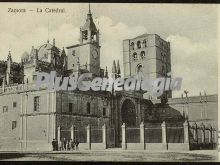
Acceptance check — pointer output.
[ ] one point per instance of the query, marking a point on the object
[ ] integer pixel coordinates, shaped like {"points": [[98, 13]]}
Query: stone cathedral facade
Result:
{"points": [[29, 119]]}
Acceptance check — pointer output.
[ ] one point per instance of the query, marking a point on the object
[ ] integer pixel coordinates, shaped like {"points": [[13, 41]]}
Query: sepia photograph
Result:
{"points": [[109, 82]]}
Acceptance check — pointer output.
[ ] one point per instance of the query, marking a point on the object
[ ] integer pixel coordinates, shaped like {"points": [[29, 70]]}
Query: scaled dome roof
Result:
{"points": [[43, 49]]}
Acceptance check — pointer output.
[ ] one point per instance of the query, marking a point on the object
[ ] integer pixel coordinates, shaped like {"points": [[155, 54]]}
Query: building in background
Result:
{"points": [[147, 55]]}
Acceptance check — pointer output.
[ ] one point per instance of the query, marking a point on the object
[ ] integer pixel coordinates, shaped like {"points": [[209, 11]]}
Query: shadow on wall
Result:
{"points": [[162, 112]]}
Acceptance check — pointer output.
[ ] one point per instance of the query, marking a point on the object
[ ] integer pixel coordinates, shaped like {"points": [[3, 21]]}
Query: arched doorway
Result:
{"points": [[128, 113]]}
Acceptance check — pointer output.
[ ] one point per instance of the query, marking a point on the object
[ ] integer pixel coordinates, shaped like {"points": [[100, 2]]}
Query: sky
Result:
{"points": [[192, 30]]}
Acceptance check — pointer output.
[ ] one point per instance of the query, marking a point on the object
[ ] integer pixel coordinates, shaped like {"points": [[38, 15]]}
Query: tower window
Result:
{"points": [[142, 55], [139, 44], [104, 111], [139, 69], [5, 108], [14, 104], [85, 35], [132, 46], [135, 56], [73, 53], [88, 108], [36, 103], [13, 124], [34, 77], [70, 107], [144, 43]]}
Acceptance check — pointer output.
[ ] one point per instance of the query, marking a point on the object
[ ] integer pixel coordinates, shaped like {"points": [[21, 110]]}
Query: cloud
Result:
{"points": [[65, 35], [112, 36], [196, 62]]}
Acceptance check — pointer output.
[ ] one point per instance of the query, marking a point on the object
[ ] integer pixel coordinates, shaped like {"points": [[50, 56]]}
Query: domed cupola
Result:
{"points": [[47, 52]]}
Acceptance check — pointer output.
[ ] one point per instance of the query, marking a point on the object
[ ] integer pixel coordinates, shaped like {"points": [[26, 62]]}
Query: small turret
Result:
{"points": [[106, 72], [114, 70], [8, 72], [9, 56], [63, 55], [118, 70]]}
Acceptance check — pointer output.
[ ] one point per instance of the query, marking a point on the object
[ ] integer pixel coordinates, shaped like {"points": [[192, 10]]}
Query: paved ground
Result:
{"points": [[112, 155]]}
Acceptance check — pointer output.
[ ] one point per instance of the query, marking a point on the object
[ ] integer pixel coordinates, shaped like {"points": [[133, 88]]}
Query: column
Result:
{"points": [[164, 132], [58, 133], [48, 116], [21, 123], [123, 132], [25, 121], [215, 136], [142, 135], [195, 133], [104, 140], [88, 128], [72, 132], [186, 131], [210, 134], [203, 133]]}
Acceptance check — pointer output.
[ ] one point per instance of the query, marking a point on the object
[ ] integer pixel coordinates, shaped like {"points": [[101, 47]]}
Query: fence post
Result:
{"points": [[203, 133], [195, 132], [186, 131], [124, 146], [58, 138], [210, 134], [58, 133], [88, 130], [214, 135], [164, 132], [72, 132], [142, 135], [104, 140]]}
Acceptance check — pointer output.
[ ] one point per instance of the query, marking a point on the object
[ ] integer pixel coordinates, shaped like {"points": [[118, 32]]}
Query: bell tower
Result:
{"points": [[88, 50], [89, 32]]}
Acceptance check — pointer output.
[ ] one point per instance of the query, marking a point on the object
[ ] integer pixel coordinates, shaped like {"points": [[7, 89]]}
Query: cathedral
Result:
{"points": [[30, 118]]}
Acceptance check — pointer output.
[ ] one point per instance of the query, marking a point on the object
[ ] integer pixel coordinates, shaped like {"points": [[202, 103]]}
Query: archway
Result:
{"points": [[128, 113]]}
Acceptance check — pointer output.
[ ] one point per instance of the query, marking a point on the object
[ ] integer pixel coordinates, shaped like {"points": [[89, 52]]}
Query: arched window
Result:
{"points": [[85, 35], [88, 108], [144, 43], [132, 46], [135, 56], [139, 68], [142, 54], [139, 44]]}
